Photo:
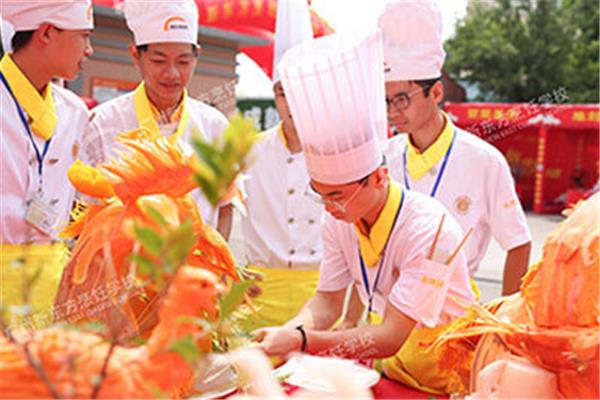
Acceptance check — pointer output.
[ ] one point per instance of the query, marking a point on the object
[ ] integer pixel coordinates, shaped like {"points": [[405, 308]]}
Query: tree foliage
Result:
{"points": [[519, 50]]}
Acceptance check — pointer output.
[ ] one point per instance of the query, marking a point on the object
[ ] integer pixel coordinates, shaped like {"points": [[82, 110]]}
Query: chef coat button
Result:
{"points": [[290, 220], [52, 161], [292, 251], [291, 191], [290, 160], [311, 221], [313, 252]]}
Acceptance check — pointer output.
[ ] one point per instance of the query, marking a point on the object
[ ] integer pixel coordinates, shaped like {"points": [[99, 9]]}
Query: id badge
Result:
{"points": [[40, 214]]}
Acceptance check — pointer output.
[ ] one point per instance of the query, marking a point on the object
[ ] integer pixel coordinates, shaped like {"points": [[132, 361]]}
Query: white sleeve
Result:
{"points": [[214, 122], [505, 215], [422, 289], [93, 145], [334, 274]]}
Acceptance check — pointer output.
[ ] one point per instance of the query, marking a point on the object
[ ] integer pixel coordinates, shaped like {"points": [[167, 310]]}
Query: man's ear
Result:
{"points": [[381, 177], [133, 52], [44, 33], [437, 92]]}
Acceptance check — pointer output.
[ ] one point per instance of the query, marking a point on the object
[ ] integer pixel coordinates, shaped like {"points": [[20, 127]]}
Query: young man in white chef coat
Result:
{"points": [[375, 234], [41, 127], [282, 228], [165, 51], [465, 173]]}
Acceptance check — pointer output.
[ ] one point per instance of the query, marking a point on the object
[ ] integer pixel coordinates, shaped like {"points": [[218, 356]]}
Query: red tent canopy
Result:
{"points": [[253, 17], [552, 148]]}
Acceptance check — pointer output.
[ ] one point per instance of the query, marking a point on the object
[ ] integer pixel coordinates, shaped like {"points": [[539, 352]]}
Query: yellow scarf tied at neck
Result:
{"points": [[40, 108], [372, 243], [146, 113], [417, 163]]}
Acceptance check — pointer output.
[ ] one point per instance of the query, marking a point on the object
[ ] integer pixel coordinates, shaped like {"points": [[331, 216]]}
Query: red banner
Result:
{"points": [[252, 17], [551, 149]]}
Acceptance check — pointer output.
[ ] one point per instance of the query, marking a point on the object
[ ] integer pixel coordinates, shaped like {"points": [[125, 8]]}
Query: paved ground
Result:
{"points": [[489, 276]]}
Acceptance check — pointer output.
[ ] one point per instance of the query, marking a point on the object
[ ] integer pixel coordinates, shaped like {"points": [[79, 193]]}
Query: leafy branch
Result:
{"points": [[224, 159]]}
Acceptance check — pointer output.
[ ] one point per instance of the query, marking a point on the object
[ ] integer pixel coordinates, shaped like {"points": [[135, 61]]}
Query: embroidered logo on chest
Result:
{"points": [[462, 204]]}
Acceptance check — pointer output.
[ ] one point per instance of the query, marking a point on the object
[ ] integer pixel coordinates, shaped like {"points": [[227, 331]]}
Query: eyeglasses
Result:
{"points": [[340, 206], [401, 101]]}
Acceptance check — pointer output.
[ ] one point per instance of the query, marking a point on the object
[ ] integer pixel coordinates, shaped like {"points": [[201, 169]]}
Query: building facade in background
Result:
{"points": [[110, 71]]}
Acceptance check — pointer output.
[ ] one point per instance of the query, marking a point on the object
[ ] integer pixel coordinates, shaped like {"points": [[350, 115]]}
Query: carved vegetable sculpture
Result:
{"points": [[553, 322], [73, 360], [151, 182]]}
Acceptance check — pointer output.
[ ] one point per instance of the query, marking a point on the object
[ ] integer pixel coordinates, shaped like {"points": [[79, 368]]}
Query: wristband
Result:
{"points": [[304, 339]]}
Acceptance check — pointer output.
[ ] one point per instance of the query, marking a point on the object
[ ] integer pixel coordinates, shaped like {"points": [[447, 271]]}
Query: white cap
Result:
{"points": [[7, 32], [64, 14], [412, 40], [165, 21], [335, 90], [292, 27]]}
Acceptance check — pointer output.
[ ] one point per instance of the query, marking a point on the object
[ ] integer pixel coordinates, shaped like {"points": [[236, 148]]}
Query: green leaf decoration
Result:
{"points": [[233, 299], [222, 160], [156, 216], [186, 348], [179, 243], [145, 265], [151, 240]]}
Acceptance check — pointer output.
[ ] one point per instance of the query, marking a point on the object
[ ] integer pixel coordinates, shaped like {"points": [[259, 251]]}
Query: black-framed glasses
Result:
{"points": [[339, 205], [401, 101]]}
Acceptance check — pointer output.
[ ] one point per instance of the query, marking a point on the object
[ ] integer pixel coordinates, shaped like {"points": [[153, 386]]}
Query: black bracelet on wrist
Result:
{"points": [[304, 340]]}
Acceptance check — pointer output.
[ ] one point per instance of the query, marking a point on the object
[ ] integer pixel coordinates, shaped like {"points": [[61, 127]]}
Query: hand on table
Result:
{"points": [[278, 341]]}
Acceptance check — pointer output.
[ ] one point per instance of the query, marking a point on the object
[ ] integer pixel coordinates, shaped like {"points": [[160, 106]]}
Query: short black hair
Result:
{"points": [[426, 84], [365, 179], [20, 40], [144, 47]]}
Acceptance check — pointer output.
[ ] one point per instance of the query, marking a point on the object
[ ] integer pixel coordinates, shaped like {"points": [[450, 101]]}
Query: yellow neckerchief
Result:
{"points": [[163, 118], [417, 164], [40, 109], [282, 135], [373, 242], [147, 114]]}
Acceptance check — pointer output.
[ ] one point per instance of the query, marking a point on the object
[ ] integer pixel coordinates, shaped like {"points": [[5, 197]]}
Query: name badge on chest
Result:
{"points": [[40, 214]]}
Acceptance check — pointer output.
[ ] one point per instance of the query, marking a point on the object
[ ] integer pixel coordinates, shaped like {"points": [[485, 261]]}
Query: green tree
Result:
{"points": [[519, 50], [582, 67]]}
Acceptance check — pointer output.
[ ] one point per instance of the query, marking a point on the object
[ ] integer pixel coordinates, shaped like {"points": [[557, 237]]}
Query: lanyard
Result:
{"points": [[363, 268], [38, 155], [438, 179]]}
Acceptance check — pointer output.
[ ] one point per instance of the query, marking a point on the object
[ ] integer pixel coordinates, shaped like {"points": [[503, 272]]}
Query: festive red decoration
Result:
{"points": [[252, 17]]}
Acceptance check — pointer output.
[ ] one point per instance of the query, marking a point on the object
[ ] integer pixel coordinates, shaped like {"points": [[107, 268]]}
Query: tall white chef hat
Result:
{"points": [[163, 21], [334, 86], [7, 32], [292, 27], [412, 40], [64, 14]]}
